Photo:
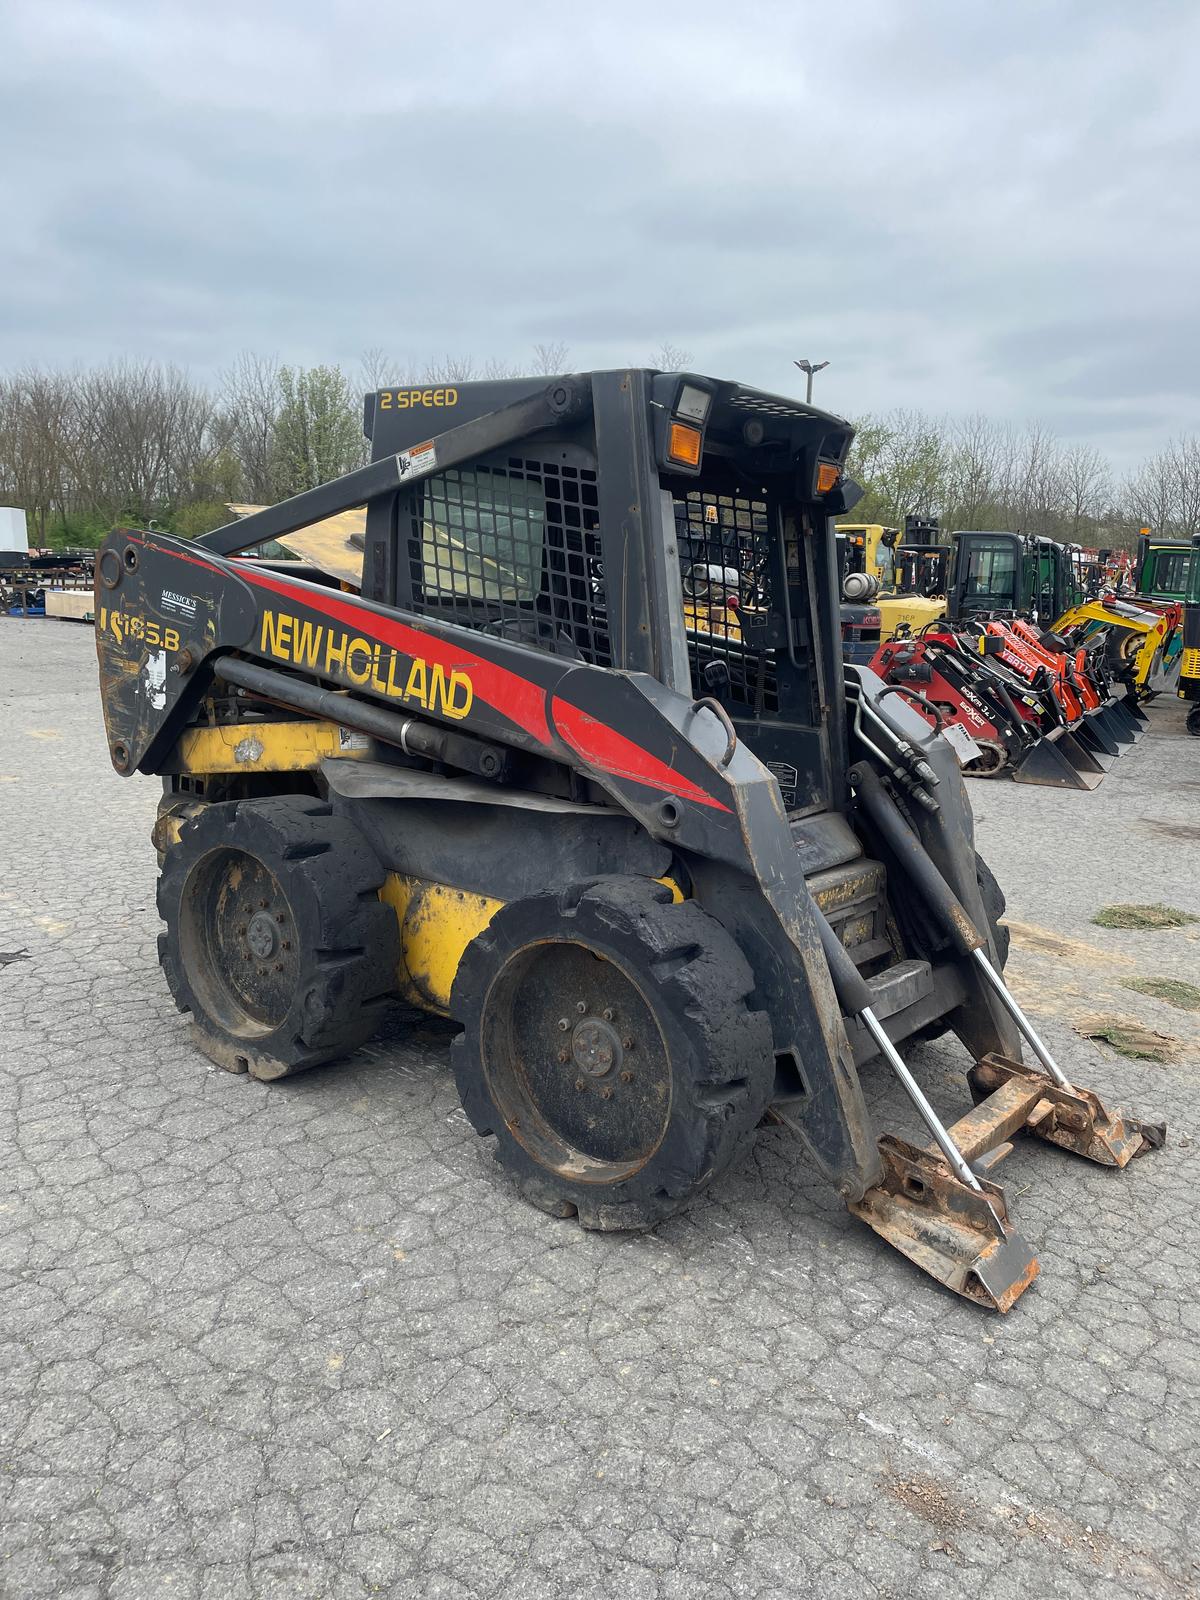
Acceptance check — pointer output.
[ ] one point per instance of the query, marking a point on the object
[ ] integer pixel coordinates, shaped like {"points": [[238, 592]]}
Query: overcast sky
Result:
{"points": [[961, 205]]}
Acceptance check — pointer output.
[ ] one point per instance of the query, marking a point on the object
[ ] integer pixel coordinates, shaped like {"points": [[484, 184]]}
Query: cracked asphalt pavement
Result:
{"points": [[303, 1340]]}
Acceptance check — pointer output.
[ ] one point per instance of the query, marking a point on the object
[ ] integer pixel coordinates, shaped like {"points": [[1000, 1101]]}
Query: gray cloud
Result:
{"points": [[964, 208]]}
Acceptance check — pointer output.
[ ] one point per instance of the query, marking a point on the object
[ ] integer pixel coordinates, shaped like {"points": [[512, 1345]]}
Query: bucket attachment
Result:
{"points": [[946, 1229], [1136, 712], [1125, 715], [1073, 1118], [1093, 733], [1077, 753], [1043, 763]]}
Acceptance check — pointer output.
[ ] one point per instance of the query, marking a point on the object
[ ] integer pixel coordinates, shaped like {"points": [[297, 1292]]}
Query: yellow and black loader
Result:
{"points": [[666, 875]]}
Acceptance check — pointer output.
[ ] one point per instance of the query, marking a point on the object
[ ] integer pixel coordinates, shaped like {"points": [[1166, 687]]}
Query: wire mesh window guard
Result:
{"points": [[513, 550], [725, 548]]}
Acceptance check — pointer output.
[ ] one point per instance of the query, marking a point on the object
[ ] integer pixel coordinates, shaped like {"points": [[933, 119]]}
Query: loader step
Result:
{"points": [[899, 987]]}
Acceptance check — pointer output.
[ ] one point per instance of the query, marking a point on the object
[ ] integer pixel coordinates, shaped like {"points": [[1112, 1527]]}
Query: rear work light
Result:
{"points": [[828, 473], [683, 444]]}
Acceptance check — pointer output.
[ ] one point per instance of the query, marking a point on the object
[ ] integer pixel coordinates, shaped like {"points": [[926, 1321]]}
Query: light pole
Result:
{"points": [[810, 368]]}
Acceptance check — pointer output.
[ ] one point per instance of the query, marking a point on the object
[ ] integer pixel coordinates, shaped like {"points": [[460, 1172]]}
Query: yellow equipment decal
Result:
{"points": [[406, 399], [146, 630], [1189, 663], [323, 648]]}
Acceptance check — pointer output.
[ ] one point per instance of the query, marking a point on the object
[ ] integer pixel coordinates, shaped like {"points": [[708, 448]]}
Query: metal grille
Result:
{"points": [[724, 554], [513, 550], [765, 405]]}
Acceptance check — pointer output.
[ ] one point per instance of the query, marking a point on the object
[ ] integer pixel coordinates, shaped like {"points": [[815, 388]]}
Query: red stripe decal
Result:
{"points": [[612, 752], [513, 696]]}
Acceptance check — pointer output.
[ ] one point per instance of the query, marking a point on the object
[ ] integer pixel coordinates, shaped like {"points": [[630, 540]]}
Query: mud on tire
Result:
{"points": [[276, 941], [609, 1046]]}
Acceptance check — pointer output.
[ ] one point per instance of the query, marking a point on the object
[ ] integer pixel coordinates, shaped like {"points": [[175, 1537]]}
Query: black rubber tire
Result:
{"points": [[994, 903], [1193, 722], [337, 969], [715, 1053]]}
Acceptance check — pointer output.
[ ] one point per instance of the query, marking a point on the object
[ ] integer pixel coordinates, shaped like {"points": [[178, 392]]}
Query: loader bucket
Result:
{"points": [[1077, 753], [1123, 715], [1094, 732], [1044, 763]]}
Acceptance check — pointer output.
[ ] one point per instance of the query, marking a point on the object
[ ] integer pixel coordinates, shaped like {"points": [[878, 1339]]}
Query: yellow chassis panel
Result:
{"points": [[1189, 663], [437, 923], [267, 747]]}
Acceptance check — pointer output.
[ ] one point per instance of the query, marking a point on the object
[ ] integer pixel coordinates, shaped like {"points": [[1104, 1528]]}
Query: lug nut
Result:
{"points": [[606, 1094], [279, 917], [563, 1024], [279, 966], [581, 1007], [608, 1016], [627, 1043], [287, 944], [627, 1077], [264, 904], [580, 1085], [564, 1055]]}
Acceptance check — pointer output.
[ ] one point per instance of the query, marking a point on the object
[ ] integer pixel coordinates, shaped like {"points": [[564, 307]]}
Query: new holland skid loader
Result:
{"points": [[667, 872]]}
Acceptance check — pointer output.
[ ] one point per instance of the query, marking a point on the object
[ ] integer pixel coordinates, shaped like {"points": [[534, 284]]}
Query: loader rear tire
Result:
{"points": [[276, 941], [1193, 722], [609, 1046]]}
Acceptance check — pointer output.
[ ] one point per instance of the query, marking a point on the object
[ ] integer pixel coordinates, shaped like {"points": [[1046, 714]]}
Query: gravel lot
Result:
{"points": [[302, 1340]]}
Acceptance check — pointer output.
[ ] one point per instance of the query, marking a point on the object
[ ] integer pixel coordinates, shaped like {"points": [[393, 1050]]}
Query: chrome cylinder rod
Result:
{"points": [[1005, 997], [941, 1134]]}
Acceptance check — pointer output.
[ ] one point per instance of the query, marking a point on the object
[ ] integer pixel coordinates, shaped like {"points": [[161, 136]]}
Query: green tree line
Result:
{"points": [[141, 442], [975, 472]]}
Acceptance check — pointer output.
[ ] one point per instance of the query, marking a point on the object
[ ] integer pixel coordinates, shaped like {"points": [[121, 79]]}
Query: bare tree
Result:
{"points": [[670, 357], [377, 370], [249, 411], [451, 369], [550, 359], [975, 455], [1085, 487]]}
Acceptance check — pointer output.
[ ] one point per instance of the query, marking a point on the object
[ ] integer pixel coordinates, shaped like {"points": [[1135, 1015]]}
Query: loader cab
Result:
{"points": [[988, 573], [1163, 567], [676, 525]]}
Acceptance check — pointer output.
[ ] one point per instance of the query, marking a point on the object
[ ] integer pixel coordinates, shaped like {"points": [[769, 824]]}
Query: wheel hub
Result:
{"points": [[585, 1085], [262, 935], [595, 1047]]}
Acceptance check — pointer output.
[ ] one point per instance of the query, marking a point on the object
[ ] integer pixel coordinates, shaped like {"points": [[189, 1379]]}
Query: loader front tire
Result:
{"points": [[276, 941], [994, 903], [609, 1046]]}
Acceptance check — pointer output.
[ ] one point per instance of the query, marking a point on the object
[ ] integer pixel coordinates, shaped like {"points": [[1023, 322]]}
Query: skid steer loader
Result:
{"points": [[668, 874]]}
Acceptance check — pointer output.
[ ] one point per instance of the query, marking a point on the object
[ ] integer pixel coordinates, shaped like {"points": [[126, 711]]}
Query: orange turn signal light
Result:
{"points": [[683, 444], [828, 473]]}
